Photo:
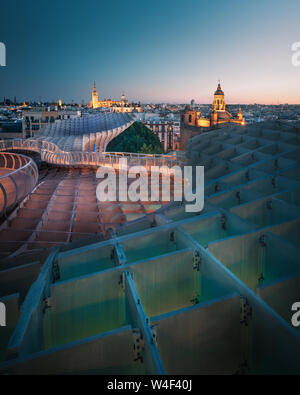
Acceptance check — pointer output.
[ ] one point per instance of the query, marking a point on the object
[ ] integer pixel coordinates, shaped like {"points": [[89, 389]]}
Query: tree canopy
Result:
{"points": [[137, 138]]}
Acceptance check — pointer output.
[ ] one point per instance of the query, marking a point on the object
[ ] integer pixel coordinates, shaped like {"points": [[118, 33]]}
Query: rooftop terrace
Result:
{"points": [[175, 292]]}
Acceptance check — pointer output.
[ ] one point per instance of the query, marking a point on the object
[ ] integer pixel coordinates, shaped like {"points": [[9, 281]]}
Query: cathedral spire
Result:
{"points": [[95, 96]]}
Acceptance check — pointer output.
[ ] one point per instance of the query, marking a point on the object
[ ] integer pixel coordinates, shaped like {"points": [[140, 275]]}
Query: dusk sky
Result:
{"points": [[154, 51]]}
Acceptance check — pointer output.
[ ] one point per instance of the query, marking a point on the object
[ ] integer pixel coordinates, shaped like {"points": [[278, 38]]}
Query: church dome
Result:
{"points": [[219, 90]]}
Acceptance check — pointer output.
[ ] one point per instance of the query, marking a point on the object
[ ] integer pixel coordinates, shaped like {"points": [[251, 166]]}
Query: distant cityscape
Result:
{"points": [[19, 118]]}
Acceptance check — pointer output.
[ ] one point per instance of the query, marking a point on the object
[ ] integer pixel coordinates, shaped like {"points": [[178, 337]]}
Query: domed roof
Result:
{"points": [[219, 90]]}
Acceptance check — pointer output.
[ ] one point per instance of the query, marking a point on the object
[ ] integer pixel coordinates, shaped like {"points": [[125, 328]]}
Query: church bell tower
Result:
{"points": [[219, 102], [95, 96]]}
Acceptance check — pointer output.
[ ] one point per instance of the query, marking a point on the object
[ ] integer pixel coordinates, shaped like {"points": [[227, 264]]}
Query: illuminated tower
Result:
{"points": [[219, 102], [95, 96], [240, 115], [59, 102]]}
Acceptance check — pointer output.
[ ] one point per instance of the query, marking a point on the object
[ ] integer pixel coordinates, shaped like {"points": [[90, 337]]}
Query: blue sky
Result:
{"points": [[158, 50]]}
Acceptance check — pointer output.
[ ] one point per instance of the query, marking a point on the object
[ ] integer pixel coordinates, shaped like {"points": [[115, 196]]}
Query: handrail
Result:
{"points": [[19, 180], [51, 153], [12, 168]]}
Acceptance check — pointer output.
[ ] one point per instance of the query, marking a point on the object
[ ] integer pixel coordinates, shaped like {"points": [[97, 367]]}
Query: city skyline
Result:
{"points": [[169, 52]]}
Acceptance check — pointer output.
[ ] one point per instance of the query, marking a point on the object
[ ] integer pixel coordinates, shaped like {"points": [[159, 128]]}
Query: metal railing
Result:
{"points": [[18, 177], [52, 154]]}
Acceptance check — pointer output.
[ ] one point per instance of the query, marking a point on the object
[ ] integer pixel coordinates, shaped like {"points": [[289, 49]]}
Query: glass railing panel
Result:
{"points": [[84, 307]]}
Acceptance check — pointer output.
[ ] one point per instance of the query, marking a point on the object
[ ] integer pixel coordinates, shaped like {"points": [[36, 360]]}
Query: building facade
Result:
{"points": [[167, 131], [115, 106], [218, 115], [36, 120]]}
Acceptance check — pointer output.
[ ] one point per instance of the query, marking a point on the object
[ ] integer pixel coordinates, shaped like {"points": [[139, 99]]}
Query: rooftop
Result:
{"points": [[176, 292]]}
